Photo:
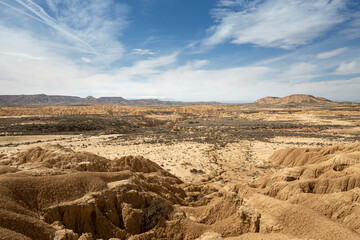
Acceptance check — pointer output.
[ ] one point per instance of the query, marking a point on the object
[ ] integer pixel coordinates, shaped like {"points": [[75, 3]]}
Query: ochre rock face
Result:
{"points": [[295, 98], [326, 180], [53, 192]]}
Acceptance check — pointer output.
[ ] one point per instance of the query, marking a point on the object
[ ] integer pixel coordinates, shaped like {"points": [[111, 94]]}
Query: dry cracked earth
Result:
{"points": [[187, 172]]}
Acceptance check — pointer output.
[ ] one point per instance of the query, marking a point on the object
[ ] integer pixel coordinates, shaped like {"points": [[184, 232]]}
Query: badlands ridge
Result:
{"points": [[53, 192]]}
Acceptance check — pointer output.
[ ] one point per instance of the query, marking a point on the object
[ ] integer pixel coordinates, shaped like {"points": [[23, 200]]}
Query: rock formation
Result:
{"points": [[53, 192], [56, 193], [295, 98]]}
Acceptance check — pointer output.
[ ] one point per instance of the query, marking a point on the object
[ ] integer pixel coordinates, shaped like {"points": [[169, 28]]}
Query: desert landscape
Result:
{"points": [[279, 168], [179, 120]]}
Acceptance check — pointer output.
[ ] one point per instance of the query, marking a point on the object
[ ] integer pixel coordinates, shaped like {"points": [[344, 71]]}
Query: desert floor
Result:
{"points": [[229, 148]]}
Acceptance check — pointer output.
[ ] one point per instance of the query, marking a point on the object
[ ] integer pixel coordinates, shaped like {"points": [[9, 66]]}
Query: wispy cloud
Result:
{"points": [[333, 90], [158, 76], [84, 25], [300, 72], [277, 23], [51, 22], [154, 76], [144, 69], [140, 51], [152, 64], [20, 11], [348, 68], [332, 53], [20, 56], [187, 82], [84, 59], [352, 31]]}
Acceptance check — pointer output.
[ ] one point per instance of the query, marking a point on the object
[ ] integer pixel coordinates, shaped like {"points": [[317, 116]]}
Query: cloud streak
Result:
{"points": [[81, 27], [348, 68], [51, 22], [22, 12], [332, 53], [277, 23], [140, 51], [300, 72]]}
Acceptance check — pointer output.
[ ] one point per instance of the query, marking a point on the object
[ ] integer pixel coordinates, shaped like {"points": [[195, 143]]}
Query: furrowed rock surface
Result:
{"points": [[53, 192]]}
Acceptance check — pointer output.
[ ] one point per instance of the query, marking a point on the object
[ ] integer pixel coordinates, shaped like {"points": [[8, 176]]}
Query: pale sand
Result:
{"points": [[243, 160]]}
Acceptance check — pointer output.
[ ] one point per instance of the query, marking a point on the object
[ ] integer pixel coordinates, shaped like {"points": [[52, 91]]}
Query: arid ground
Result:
{"points": [[180, 172]]}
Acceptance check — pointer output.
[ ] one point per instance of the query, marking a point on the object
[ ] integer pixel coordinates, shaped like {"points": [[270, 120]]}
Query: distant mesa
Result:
{"points": [[295, 98], [58, 100], [55, 100]]}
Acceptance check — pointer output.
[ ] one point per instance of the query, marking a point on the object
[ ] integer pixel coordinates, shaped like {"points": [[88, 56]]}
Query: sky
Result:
{"points": [[184, 50]]}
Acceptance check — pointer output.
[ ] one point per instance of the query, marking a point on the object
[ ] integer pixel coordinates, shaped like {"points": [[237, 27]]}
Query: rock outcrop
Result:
{"points": [[57, 193], [295, 98], [326, 180], [53, 192]]}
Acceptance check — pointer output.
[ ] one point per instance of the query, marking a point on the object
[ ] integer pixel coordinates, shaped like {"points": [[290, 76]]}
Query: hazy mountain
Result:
{"points": [[51, 100]]}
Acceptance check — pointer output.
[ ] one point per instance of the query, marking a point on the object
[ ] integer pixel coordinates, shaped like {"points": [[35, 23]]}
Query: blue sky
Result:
{"points": [[189, 50]]}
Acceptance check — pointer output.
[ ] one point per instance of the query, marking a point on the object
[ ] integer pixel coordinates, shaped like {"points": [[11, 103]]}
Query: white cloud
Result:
{"points": [[229, 3], [149, 97], [277, 23], [147, 67], [20, 56], [20, 46], [349, 68], [337, 90], [72, 28], [191, 82], [193, 65], [301, 68], [352, 30], [157, 76], [84, 59], [29, 67], [300, 72], [140, 51], [332, 53]]}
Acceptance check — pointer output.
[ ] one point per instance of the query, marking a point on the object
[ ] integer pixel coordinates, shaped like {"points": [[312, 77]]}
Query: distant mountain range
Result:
{"points": [[59, 100], [295, 99], [53, 100]]}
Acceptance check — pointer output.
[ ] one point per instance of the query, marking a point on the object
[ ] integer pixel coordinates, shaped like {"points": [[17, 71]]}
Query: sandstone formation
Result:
{"points": [[295, 98], [53, 192], [56, 193], [326, 180]]}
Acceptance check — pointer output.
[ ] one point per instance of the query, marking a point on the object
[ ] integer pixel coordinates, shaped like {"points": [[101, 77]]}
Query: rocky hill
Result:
{"points": [[295, 98]]}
